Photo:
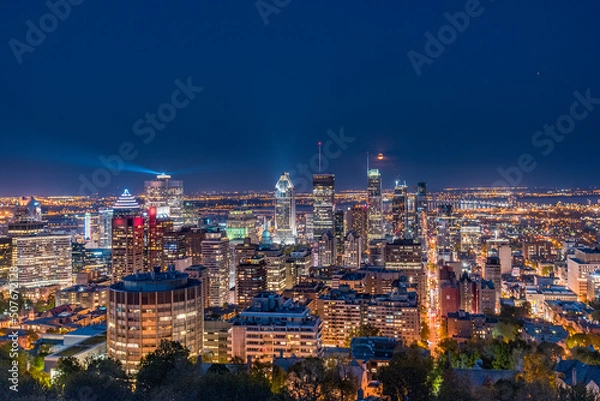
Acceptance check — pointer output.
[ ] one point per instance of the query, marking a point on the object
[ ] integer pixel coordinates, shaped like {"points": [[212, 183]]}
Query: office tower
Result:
{"points": [[241, 224], [275, 261], [281, 326], [421, 213], [374, 206], [156, 228], [327, 250], [405, 256], [376, 252], [146, 308], [251, 279], [308, 227], [215, 257], [167, 195], [193, 238], [352, 250], [297, 266], [579, 266], [493, 272], [27, 219], [323, 204], [447, 233], [470, 237], [42, 260], [285, 210], [127, 237], [505, 255], [105, 217], [399, 212], [340, 233], [357, 222], [5, 256]]}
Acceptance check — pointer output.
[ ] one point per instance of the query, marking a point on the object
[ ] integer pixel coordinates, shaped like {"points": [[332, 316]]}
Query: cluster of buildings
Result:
{"points": [[301, 279]]}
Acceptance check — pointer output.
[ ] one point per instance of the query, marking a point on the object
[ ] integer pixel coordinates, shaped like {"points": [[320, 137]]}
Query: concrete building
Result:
{"points": [[43, 260], [215, 257], [579, 266], [274, 326], [146, 308]]}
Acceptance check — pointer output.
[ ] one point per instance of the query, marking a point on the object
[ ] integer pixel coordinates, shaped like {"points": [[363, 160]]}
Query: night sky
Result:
{"points": [[271, 92]]}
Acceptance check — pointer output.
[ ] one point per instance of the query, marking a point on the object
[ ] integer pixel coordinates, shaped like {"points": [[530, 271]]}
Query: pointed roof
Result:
{"points": [[126, 202]]}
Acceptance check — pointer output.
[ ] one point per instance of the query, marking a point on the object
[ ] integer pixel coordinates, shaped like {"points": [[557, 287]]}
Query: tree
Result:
{"points": [[364, 330], [340, 384], [452, 387], [168, 367], [105, 379], [408, 376], [305, 380]]}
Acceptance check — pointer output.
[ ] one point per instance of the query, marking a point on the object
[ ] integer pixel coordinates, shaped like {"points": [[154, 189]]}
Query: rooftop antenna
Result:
{"points": [[319, 157], [367, 163]]}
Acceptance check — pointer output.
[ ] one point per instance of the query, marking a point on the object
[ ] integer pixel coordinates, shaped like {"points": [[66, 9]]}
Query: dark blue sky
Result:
{"points": [[272, 91]]}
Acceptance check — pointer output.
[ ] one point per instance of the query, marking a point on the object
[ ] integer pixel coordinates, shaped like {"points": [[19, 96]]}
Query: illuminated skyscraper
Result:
{"points": [[323, 204], [215, 257], [127, 237], [43, 260], [399, 212], [241, 224], [285, 210], [167, 195], [146, 308], [374, 205], [27, 219], [156, 228]]}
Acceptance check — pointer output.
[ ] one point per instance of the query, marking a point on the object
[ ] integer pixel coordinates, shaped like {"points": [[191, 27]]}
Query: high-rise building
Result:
{"points": [[105, 217], [493, 272], [241, 224], [27, 219], [327, 250], [127, 237], [5, 256], [357, 222], [274, 326], [579, 266], [146, 308], [156, 228], [167, 195], [399, 206], [285, 210], [323, 204], [352, 250], [374, 206], [275, 261], [340, 233], [42, 260], [251, 279], [421, 212], [215, 257]]}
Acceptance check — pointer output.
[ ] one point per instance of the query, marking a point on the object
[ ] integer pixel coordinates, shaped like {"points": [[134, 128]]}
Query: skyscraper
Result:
{"points": [[215, 257], [399, 216], [251, 279], [146, 308], [43, 260], [156, 228], [127, 237], [374, 205], [167, 195], [323, 204], [285, 210]]}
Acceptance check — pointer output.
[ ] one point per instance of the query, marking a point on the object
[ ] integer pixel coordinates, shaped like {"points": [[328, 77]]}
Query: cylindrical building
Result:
{"points": [[146, 308]]}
